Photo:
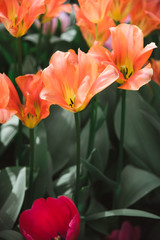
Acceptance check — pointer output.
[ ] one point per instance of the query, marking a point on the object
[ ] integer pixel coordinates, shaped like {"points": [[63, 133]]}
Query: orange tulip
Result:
{"points": [[71, 80], [94, 10], [146, 15], [53, 9], [156, 70], [7, 91], [18, 16], [120, 9], [128, 56], [90, 32], [34, 108]]}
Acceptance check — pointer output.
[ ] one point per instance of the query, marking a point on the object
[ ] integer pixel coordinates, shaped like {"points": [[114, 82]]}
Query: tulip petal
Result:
{"points": [[129, 232], [58, 209], [26, 224], [42, 221], [4, 91], [105, 79], [138, 79], [54, 7], [74, 228], [53, 90], [102, 55], [156, 70], [94, 10], [127, 42], [64, 65], [6, 115], [143, 56]]}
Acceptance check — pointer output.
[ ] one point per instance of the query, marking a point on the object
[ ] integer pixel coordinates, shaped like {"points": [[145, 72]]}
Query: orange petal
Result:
{"points": [[54, 7], [4, 91], [88, 29], [138, 79], [105, 79], [87, 67], [31, 86], [156, 70], [94, 10], [102, 55], [143, 56], [65, 64], [82, 93], [127, 41], [53, 91], [14, 101], [6, 115]]}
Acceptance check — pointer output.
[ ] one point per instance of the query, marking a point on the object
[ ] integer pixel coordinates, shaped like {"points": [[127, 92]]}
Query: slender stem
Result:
{"points": [[96, 30], [19, 44], [121, 143], [39, 43], [19, 136], [92, 125], [77, 125], [120, 158], [31, 163]]}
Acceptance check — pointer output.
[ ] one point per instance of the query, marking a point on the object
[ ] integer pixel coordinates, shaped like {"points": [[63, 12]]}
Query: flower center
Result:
{"points": [[126, 72], [71, 103], [59, 237]]}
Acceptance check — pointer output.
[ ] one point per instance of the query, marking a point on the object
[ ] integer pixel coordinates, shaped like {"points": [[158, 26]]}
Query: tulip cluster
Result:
{"points": [[72, 79]]}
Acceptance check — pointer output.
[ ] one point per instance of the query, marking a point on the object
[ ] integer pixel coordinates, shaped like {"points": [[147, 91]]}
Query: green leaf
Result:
{"points": [[60, 127], [11, 208], [96, 174], [8, 132], [142, 132], [41, 162], [10, 235], [66, 181], [121, 212], [29, 65], [69, 35], [135, 184], [33, 38], [101, 140]]}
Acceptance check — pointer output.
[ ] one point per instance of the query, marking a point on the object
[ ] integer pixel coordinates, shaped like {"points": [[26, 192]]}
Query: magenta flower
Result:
{"points": [[127, 232], [51, 219]]}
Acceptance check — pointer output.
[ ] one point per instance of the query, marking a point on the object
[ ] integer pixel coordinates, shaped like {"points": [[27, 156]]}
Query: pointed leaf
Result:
{"points": [[96, 174], [121, 212], [142, 131], [10, 235], [13, 204], [136, 183]]}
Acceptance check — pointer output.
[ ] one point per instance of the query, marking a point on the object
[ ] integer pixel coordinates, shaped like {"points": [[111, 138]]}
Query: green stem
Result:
{"points": [[31, 163], [77, 189], [19, 44], [120, 158], [96, 30], [39, 43], [121, 143], [93, 121], [0, 131], [19, 136]]}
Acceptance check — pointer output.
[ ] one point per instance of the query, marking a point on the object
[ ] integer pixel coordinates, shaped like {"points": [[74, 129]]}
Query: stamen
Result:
{"points": [[59, 237], [125, 72], [130, 74], [72, 103]]}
